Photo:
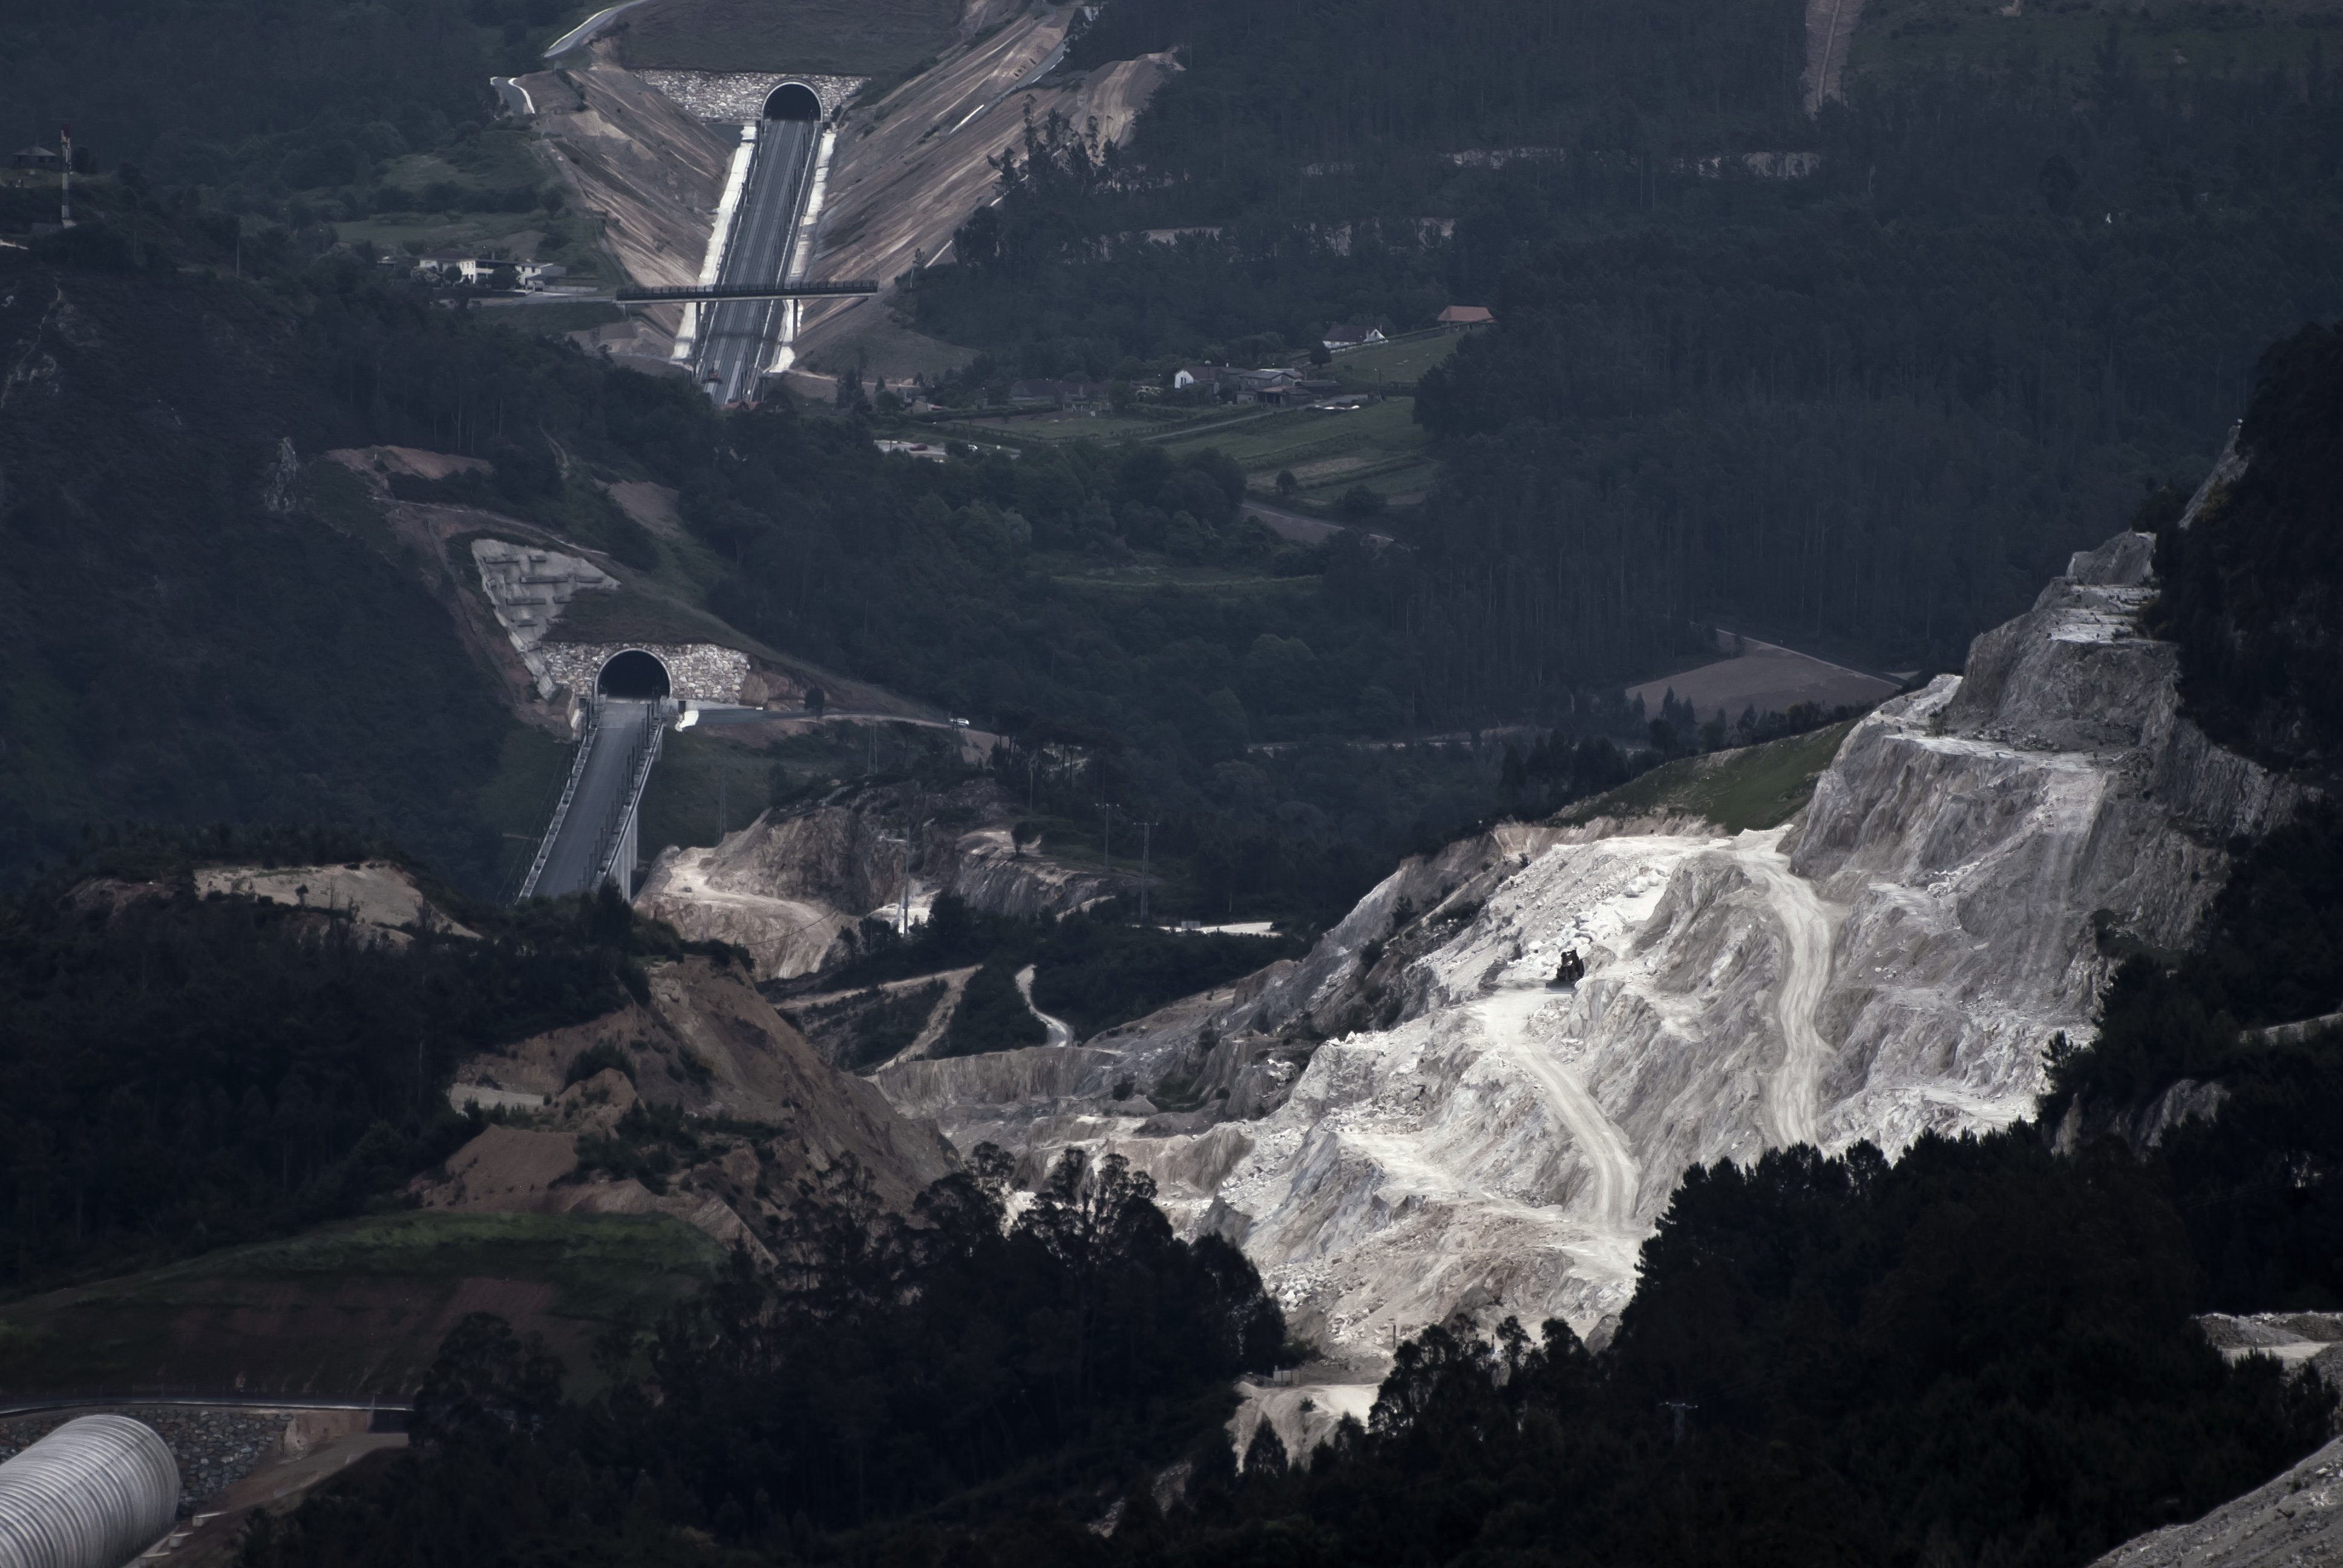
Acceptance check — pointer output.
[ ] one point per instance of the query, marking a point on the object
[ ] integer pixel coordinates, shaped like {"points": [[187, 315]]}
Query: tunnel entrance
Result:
{"points": [[793, 100], [634, 675]]}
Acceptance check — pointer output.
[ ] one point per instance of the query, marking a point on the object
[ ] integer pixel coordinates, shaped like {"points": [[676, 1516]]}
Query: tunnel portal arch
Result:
{"points": [[635, 675], [793, 100]]}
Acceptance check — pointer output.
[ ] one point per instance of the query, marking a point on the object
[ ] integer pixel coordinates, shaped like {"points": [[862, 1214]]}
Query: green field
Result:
{"points": [[1024, 429], [352, 1308], [1755, 786], [1378, 446], [845, 37], [1364, 369]]}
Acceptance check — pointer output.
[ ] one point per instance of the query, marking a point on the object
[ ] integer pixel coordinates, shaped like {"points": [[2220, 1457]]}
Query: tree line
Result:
{"points": [[195, 1070], [1979, 1354]]}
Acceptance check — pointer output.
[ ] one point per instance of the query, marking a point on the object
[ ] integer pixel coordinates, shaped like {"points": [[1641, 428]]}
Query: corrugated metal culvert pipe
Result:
{"points": [[94, 1493]]}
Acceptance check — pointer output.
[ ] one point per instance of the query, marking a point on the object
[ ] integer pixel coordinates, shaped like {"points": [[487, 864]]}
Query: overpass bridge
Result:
{"points": [[593, 837]]}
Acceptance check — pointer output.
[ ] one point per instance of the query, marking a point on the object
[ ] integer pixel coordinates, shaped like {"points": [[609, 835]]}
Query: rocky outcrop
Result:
{"points": [[1433, 1114], [792, 886], [2297, 1519], [1984, 833]]}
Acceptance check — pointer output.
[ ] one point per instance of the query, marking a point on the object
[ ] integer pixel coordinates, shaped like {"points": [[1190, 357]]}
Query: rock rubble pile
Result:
{"points": [[215, 1449]]}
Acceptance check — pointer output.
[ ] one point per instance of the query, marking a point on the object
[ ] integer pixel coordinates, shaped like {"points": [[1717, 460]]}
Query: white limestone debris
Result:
{"points": [[1416, 1124]]}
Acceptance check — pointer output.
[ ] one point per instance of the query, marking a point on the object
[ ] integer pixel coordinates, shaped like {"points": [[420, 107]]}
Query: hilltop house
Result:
{"points": [[1457, 317], [1338, 338], [35, 158]]}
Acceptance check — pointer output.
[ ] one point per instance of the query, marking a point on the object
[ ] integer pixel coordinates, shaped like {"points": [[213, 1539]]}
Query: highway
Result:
{"points": [[735, 335], [602, 784]]}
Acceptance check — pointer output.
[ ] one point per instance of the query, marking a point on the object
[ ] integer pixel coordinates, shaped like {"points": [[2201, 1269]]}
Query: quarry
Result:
{"points": [[747, 900], [1420, 1122]]}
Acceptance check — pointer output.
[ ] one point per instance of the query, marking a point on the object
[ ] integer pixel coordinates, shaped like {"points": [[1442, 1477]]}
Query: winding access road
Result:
{"points": [[1060, 1031], [736, 335], [1794, 1093], [1614, 1176]]}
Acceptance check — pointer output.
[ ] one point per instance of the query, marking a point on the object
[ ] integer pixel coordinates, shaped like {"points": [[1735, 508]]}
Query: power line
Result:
{"points": [[1146, 840]]}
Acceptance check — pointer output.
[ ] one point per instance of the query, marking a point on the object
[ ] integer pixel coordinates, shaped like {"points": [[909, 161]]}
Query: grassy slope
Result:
{"points": [[1755, 786], [1364, 369], [846, 37], [1381, 446], [352, 1308]]}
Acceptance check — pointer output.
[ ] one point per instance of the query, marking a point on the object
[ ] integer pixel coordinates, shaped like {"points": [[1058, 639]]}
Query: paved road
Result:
{"points": [[570, 868], [736, 335], [584, 31]]}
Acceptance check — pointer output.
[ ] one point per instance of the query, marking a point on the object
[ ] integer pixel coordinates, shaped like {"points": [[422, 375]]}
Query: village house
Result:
{"points": [[1457, 317], [1338, 338], [462, 266]]}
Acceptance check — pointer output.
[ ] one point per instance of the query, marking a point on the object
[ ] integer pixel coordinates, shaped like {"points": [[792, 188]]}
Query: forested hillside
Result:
{"points": [[2249, 595], [277, 96], [1876, 401], [1982, 1353], [195, 1070], [276, 659]]}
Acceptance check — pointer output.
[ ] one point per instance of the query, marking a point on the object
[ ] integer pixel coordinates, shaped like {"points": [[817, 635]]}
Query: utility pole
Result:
{"points": [[723, 807], [903, 911], [1106, 839], [1679, 1407], [64, 140], [1146, 841]]}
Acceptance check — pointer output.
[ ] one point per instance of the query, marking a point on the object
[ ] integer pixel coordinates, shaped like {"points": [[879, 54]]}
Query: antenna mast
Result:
{"points": [[65, 138]]}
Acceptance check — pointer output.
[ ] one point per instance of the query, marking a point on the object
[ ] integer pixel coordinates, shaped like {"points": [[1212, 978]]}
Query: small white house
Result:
{"points": [[1341, 337], [449, 266]]}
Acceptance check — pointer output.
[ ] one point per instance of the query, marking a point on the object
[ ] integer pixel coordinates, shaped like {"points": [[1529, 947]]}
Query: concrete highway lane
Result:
{"points": [[570, 868], [737, 335]]}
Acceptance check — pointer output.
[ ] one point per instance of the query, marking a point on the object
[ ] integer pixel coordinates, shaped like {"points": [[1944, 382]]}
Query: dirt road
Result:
{"points": [[1611, 1209], [1792, 1097], [1060, 1032]]}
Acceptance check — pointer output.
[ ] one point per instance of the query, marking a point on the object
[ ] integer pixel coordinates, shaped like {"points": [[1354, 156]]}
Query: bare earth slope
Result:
{"points": [[635, 156], [707, 1043], [911, 168], [788, 884]]}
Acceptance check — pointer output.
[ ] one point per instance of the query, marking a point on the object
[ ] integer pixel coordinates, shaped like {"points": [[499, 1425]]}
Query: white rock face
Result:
{"points": [[1477, 1139]]}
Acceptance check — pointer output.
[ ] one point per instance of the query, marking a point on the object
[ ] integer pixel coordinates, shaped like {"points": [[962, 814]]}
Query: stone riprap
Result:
{"points": [[214, 1449], [736, 97], [697, 671], [529, 588]]}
